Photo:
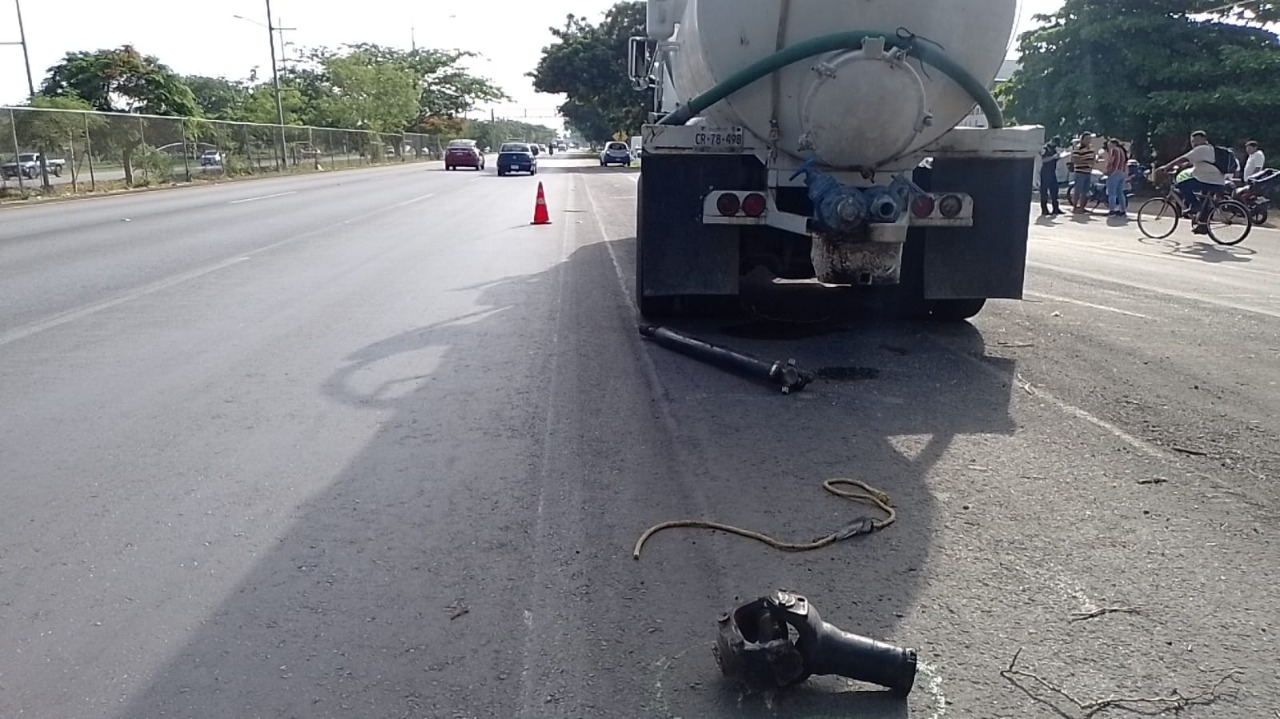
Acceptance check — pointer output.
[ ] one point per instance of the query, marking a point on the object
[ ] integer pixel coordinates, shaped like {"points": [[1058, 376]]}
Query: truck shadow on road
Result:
{"points": [[475, 558]]}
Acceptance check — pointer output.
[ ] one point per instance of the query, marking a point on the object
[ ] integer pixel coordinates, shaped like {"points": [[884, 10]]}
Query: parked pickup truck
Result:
{"points": [[29, 165]]}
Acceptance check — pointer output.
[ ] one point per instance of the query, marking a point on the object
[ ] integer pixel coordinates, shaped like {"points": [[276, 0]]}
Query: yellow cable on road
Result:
{"points": [[871, 496]]}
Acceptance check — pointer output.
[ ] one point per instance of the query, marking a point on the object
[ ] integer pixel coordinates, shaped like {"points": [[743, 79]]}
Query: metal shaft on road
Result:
{"points": [[784, 374]]}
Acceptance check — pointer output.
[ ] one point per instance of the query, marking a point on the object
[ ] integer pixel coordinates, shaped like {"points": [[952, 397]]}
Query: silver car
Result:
{"points": [[616, 153]]}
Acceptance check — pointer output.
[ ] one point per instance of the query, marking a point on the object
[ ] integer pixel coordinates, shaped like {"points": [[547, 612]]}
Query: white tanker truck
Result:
{"points": [[818, 139]]}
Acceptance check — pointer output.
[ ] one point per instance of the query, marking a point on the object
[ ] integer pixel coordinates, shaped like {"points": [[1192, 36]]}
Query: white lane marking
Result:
{"points": [[1158, 290], [263, 197], [81, 312], [73, 315], [613, 256], [1055, 298], [1063, 406], [1159, 255], [534, 684]]}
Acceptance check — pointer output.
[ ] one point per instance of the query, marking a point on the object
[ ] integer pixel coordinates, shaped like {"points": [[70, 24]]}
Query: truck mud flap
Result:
{"points": [[989, 259], [676, 254]]}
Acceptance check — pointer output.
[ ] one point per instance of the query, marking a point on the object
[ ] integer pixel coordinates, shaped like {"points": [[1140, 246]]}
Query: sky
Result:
{"points": [[206, 38]]}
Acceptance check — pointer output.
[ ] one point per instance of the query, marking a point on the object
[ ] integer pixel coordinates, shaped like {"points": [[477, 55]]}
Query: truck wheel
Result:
{"points": [[955, 310], [57, 170]]}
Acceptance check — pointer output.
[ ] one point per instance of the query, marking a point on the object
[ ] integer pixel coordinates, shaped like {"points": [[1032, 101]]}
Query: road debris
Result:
{"points": [[1175, 701], [783, 373], [754, 647], [1081, 616], [457, 608], [861, 525]]}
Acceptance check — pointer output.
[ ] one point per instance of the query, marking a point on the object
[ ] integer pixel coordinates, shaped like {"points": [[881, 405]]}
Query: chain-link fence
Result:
{"points": [[58, 152]]}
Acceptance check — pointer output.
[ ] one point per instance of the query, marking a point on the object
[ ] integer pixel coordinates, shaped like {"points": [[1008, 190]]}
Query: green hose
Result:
{"points": [[852, 40]]}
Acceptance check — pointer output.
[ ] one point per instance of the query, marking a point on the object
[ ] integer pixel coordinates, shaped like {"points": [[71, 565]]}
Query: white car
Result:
{"points": [[210, 158], [616, 153]]}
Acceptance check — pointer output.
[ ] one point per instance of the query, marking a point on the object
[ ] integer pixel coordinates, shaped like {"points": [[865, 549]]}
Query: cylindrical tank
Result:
{"points": [[850, 109]]}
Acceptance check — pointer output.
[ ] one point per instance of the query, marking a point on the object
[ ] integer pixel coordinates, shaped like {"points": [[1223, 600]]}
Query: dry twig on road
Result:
{"points": [[1176, 701], [1081, 616]]}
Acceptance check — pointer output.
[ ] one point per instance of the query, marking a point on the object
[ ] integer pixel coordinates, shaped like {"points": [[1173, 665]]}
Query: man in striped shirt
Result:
{"points": [[1083, 158]]}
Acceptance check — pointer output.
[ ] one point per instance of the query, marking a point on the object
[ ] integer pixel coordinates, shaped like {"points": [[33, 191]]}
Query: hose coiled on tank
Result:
{"points": [[911, 44]]}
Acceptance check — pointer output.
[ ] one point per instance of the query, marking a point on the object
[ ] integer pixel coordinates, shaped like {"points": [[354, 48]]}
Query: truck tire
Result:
{"points": [[57, 170], [955, 310]]}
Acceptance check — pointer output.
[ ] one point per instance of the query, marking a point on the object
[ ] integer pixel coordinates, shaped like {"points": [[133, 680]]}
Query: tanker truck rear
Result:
{"points": [[818, 139]]}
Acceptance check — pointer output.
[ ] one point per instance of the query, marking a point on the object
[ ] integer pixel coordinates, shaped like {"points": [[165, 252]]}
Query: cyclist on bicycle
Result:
{"points": [[1206, 176]]}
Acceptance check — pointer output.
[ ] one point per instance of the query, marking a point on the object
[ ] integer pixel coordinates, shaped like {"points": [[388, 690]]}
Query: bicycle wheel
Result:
{"points": [[1229, 223], [1158, 218]]}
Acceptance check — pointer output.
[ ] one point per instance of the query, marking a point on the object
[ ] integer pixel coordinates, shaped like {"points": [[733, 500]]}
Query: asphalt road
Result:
{"points": [[370, 445], [115, 173]]}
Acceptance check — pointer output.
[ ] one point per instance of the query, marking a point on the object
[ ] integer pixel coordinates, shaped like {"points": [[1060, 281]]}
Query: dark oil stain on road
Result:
{"points": [[848, 374]]}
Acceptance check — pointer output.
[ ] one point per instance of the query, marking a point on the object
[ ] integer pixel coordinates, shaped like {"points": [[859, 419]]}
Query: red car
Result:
{"points": [[463, 153]]}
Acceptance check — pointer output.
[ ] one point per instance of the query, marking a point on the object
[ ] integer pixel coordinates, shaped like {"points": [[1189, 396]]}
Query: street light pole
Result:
{"points": [[26, 57]]}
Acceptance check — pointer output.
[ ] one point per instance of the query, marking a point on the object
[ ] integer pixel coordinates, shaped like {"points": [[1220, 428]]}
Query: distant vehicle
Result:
{"points": [[210, 158], [517, 157], [463, 153], [28, 164], [615, 153]]}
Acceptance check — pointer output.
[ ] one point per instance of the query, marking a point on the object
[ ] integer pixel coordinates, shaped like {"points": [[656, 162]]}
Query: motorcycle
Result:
{"points": [[1252, 193]]}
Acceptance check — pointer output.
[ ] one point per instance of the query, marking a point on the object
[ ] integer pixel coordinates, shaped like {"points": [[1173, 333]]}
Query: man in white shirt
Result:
{"points": [[1206, 176], [1257, 161]]}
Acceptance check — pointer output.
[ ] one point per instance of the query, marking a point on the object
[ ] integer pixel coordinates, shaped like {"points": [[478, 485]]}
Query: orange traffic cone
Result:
{"points": [[540, 216]]}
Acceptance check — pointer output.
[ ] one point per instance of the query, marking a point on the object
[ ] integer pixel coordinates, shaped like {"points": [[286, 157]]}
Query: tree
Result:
{"points": [[1150, 71], [217, 97], [588, 64], [121, 80]]}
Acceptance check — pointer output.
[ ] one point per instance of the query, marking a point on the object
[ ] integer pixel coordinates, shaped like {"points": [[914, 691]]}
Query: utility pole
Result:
{"points": [[31, 90], [413, 39], [275, 78], [284, 62]]}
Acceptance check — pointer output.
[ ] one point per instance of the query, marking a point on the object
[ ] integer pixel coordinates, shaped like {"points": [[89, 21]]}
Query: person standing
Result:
{"points": [[1117, 163], [1083, 158], [1257, 161], [1050, 155]]}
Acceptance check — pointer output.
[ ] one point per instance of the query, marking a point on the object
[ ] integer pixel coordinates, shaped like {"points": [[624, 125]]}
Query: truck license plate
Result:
{"points": [[724, 139]]}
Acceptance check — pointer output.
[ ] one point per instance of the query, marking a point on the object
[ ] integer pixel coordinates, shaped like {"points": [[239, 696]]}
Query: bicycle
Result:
{"points": [[1220, 210]]}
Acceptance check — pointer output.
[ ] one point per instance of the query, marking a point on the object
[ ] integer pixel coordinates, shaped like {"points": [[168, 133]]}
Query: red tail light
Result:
{"points": [[922, 206], [950, 206], [753, 205], [728, 204]]}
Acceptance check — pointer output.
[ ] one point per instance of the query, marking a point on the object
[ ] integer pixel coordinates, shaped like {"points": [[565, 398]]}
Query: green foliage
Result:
{"points": [[121, 80], [491, 134], [218, 97], [588, 65], [55, 131], [1149, 71], [156, 165]]}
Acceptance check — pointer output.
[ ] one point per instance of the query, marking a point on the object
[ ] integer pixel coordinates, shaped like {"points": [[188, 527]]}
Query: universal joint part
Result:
{"points": [[842, 209], [780, 640]]}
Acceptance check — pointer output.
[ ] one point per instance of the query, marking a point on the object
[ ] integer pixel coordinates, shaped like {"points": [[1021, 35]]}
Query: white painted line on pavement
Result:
{"points": [[72, 315], [1160, 255], [263, 197], [1065, 407], [1158, 290], [1055, 298]]}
